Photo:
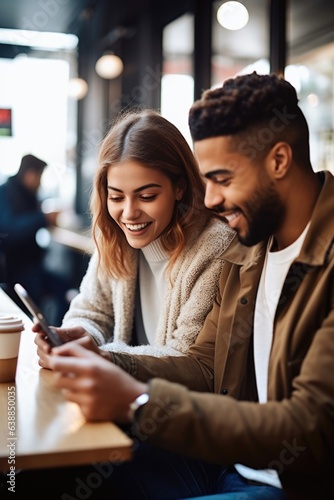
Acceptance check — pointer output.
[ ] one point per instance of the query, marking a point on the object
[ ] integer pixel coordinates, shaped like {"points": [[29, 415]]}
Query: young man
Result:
{"points": [[249, 413]]}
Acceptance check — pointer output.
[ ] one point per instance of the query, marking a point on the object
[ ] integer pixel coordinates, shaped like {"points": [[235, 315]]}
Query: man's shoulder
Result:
{"points": [[9, 185], [4, 189], [320, 236], [4, 185]]}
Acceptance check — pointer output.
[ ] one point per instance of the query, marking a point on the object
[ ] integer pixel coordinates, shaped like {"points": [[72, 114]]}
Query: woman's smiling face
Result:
{"points": [[141, 201]]}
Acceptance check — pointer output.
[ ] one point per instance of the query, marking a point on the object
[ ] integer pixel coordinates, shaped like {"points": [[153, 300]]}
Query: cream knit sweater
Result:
{"points": [[105, 307]]}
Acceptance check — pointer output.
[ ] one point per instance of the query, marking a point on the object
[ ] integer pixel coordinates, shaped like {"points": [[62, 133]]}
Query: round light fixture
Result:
{"points": [[109, 66], [77, 88], [232, 15]]}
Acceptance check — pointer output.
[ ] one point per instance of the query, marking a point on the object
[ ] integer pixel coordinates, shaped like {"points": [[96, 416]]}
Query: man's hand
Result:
{"points": [[101, 389], [75, 334]]}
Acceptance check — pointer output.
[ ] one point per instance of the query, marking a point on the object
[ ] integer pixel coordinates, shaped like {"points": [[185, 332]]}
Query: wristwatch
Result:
{"points": [[137, 404]]}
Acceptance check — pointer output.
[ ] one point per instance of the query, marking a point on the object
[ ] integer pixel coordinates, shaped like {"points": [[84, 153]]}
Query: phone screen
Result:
{"points": [[37, 315]]}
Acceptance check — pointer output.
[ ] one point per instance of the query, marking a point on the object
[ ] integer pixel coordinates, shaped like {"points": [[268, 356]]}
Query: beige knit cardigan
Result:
{"points": [[105, 306]]}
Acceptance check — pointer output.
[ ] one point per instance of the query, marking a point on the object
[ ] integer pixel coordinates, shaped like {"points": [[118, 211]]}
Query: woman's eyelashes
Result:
{"points": [[143, 197], [148, 197]]}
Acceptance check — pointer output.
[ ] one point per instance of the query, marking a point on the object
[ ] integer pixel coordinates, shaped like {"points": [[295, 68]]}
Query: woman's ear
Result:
{"points": [[179, 192], [280, 159]]}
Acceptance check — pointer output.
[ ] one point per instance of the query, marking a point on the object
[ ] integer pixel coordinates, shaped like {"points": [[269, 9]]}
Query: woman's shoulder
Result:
{"points": [[212, 232]]}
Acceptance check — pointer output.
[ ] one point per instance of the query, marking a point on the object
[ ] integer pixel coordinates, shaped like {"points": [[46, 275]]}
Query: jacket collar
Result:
{"points": [[318, 241], [319, 238]]}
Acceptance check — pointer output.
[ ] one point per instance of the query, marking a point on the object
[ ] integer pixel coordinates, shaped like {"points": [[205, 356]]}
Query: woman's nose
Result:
{"points": [[130, 210], [213, 195]]}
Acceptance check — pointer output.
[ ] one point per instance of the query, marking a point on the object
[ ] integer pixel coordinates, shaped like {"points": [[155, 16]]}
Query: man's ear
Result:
{"points": [[279, 159]]}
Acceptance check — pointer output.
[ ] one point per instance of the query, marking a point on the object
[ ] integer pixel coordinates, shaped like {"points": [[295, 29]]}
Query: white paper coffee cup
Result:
{"points": [[10, 336]]}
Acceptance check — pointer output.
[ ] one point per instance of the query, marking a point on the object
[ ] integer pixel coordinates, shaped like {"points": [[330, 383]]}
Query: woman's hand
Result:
{"points": [[101, 389], [75, 334]]}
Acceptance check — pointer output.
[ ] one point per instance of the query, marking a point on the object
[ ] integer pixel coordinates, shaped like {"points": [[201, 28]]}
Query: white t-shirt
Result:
{"points": [[273, 275]]}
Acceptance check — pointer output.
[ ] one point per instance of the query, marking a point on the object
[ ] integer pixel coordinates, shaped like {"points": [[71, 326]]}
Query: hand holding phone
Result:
{"points": [[51, 335]]}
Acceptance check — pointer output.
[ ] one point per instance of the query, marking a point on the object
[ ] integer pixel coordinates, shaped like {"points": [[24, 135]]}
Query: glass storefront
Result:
{"points": [[310, 64]]}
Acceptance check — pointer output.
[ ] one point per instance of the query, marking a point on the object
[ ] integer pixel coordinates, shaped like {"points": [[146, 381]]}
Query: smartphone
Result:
{"points": [[51, 335]]}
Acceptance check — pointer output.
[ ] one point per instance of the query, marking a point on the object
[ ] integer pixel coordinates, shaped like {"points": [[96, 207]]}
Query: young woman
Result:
{"points": [[155, 272]]}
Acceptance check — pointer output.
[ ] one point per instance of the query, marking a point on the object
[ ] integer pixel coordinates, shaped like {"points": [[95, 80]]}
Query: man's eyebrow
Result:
{"points": [[213, 173], [137, 190]]}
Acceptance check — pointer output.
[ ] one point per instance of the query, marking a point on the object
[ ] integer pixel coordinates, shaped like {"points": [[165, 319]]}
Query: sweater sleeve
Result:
{"points": [[149, 350], [93, 307], [192, 296]]}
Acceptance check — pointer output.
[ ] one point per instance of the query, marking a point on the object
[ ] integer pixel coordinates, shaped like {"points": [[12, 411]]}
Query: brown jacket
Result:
{"points": [[294, 431]]}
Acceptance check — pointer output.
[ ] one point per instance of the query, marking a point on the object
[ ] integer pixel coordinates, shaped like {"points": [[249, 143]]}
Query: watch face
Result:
{"points": [[137, 403], [140, 401]]}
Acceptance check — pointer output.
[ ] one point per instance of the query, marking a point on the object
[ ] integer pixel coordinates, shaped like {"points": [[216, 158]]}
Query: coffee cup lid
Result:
{"points": [[10, 323]]}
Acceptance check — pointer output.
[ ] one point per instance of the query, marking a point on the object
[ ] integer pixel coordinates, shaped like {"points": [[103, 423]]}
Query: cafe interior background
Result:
{"points": [[57, 100]]}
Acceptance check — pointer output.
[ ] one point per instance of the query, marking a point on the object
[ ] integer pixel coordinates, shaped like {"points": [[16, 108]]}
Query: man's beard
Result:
{"points": [[264, 214]]}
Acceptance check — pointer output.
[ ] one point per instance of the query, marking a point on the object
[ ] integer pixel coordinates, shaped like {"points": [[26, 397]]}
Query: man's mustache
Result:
{"points": [[219, 209]]}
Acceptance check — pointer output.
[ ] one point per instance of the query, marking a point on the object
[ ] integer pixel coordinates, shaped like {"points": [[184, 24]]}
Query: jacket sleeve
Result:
{"points": [[293, 434], [93, 307]]}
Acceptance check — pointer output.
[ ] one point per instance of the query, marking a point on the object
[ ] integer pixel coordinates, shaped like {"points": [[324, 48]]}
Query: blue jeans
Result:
{"points": [[153, 474], [236, 487], [156, 474]]}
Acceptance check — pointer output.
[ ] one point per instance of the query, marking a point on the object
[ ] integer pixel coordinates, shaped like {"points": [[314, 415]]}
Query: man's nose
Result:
{"points": [[213, 195]]}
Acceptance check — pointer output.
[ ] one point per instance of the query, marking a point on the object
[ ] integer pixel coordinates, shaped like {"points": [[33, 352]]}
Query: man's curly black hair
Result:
{"points": [[258, 110]]}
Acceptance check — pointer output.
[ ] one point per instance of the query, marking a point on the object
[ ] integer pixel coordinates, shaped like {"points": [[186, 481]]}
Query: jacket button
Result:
{"points": [[225, 392], [243, 300]]}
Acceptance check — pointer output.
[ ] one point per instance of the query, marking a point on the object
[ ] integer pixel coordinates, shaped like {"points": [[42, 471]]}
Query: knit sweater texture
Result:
{"points": [[105, 307]]}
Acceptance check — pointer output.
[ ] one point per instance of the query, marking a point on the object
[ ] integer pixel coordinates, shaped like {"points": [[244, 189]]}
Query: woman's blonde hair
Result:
{"points": [[151, 140]]}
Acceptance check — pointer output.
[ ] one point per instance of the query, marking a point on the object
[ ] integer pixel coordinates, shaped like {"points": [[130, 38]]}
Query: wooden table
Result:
{"points": [[47, 430]]}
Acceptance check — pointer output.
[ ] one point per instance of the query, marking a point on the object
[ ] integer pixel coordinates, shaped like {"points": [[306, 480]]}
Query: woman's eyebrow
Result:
{"points": [[141, 188]]}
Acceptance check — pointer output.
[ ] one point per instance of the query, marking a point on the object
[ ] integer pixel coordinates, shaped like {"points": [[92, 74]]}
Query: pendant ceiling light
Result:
{"points": [[77, 88], [232, 15], [109, 66]]}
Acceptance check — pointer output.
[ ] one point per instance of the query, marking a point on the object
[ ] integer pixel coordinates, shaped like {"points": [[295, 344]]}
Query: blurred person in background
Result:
{"points": [[22, 258]]}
